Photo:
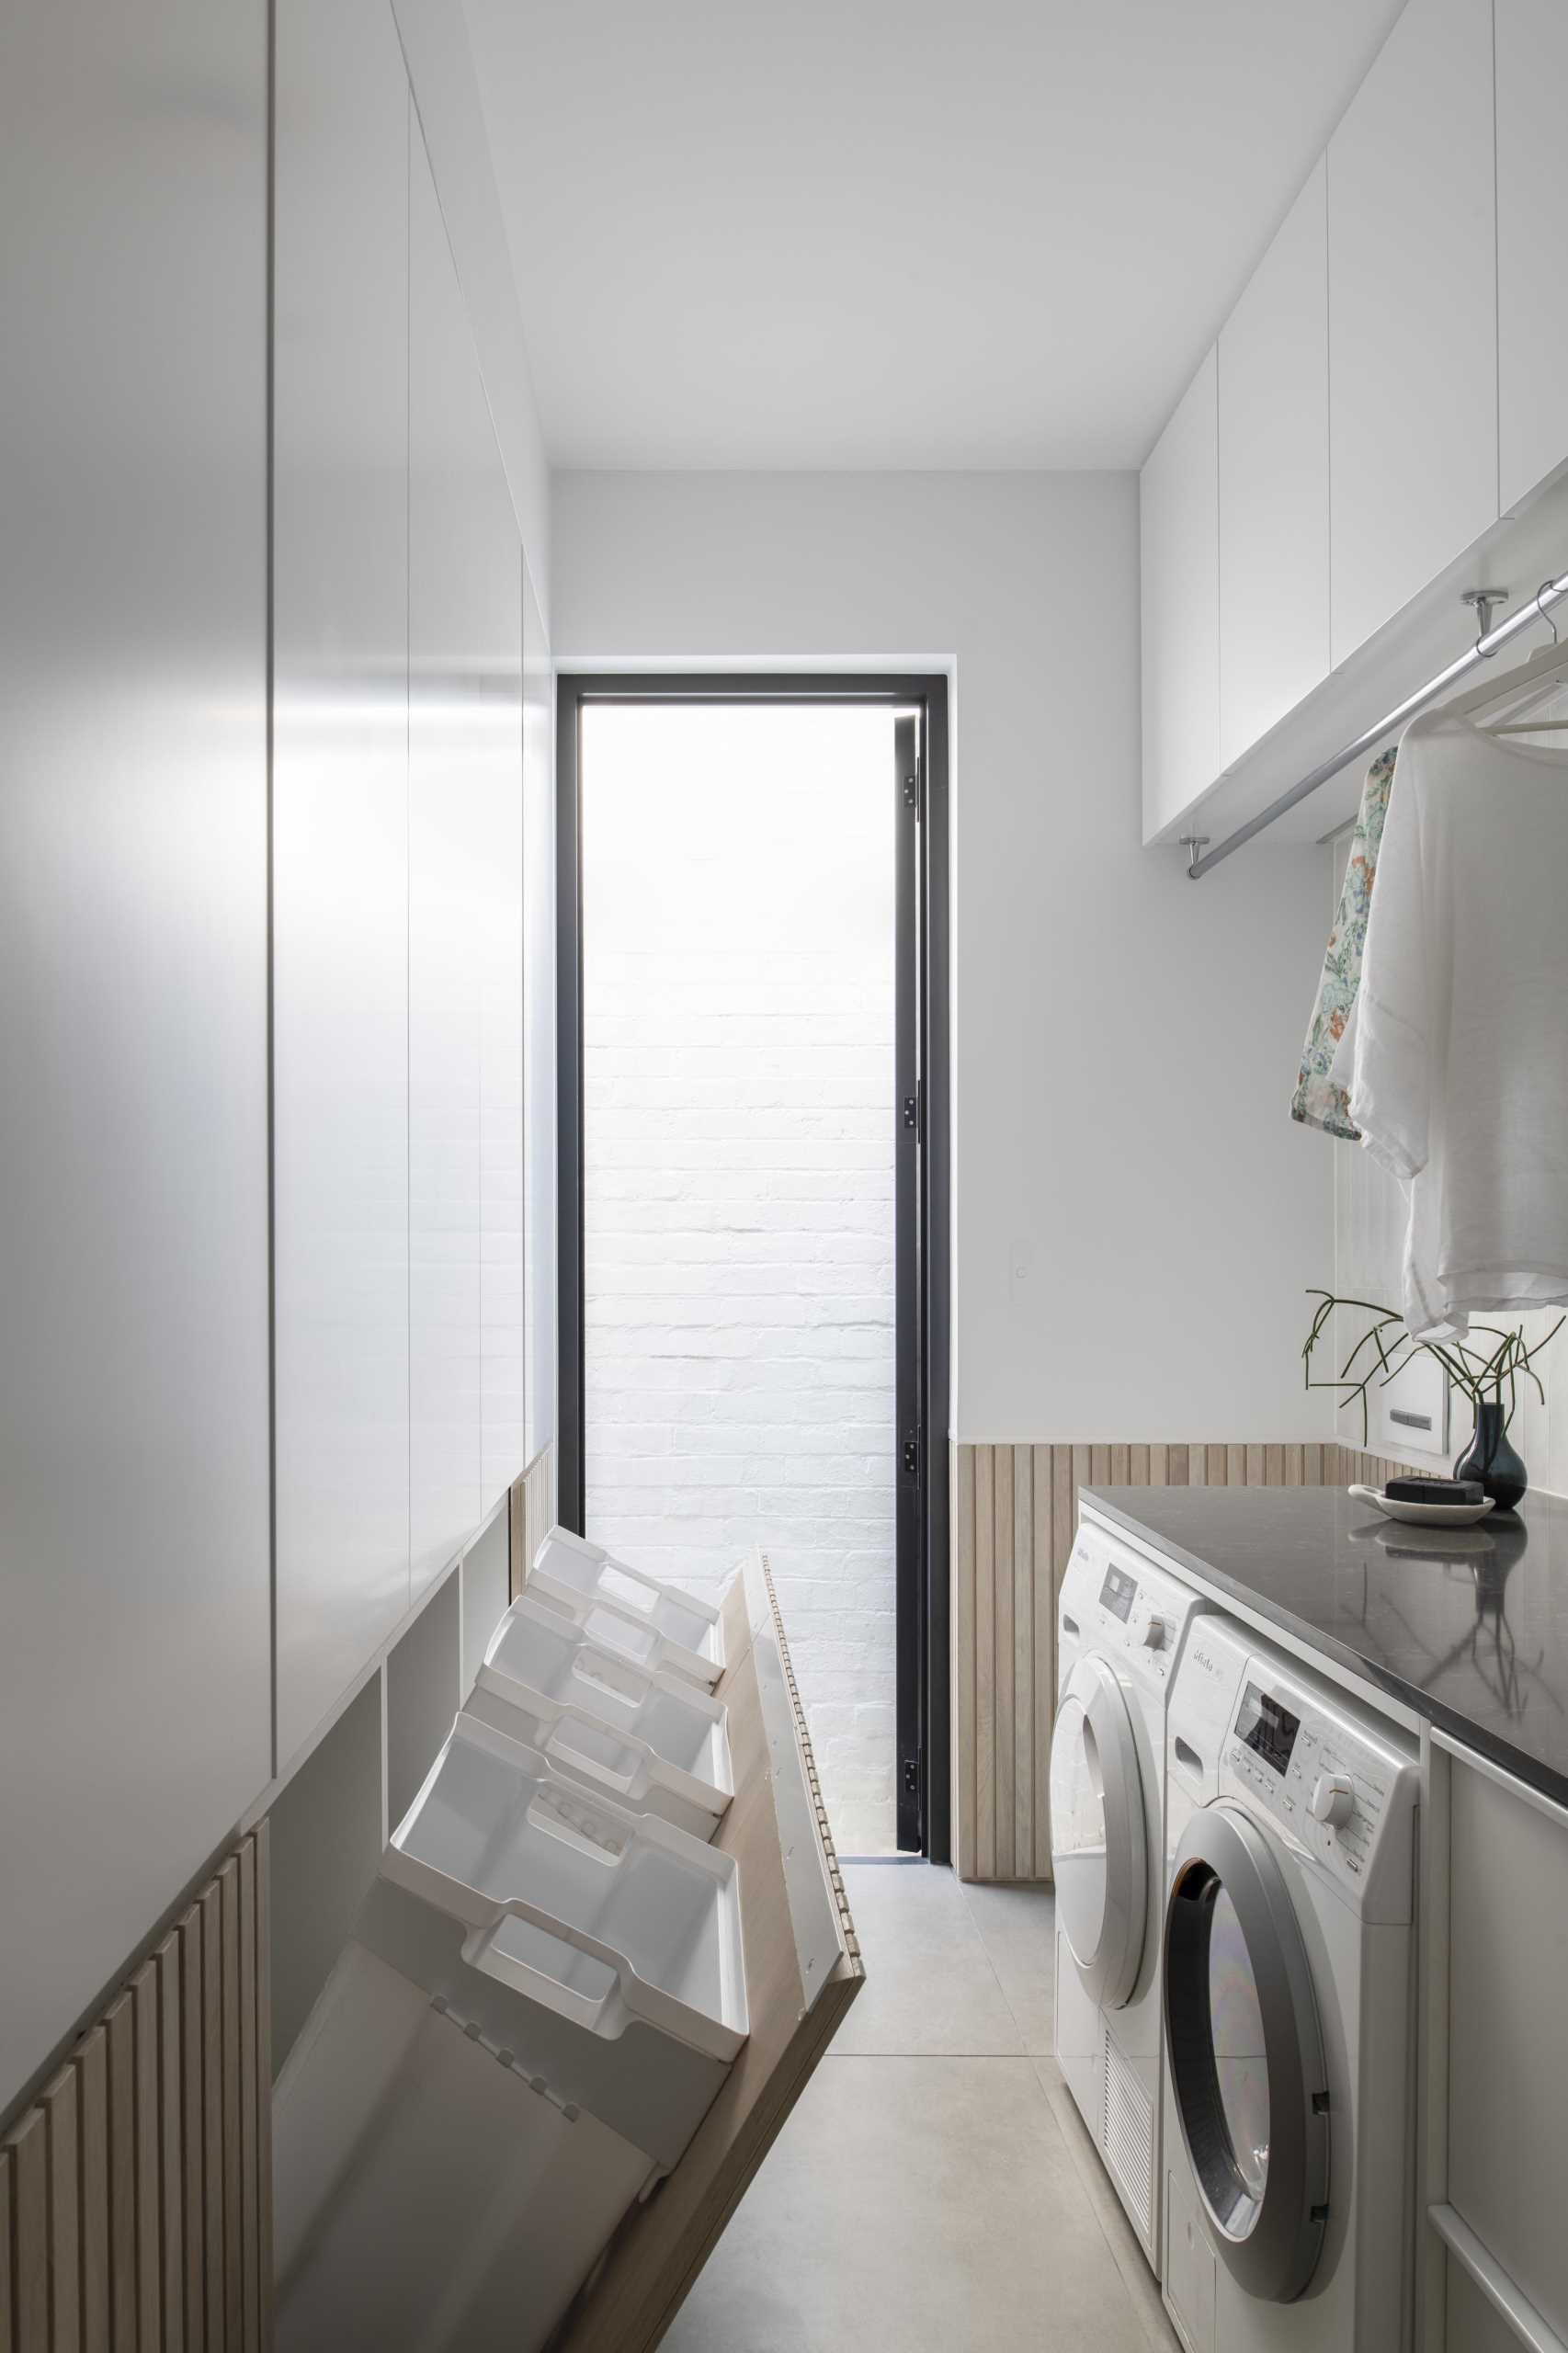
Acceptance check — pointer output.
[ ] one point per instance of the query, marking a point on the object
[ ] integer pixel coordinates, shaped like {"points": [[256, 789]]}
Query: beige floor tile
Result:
{"points": [[1017, 1928], [930, 1984], [1142, 2288], [915, 2205]]}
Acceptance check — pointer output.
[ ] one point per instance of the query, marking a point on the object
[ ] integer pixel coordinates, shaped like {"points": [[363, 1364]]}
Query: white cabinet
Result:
{"points": [[1507, 2058], [465, 913], [1532, 319], [134, 1611], [1179, 511], [1412, 377], [1274, 613], [340, 849]]}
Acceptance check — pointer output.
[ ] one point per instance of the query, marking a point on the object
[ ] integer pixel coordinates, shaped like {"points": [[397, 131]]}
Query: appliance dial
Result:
{"points": [[1155, 1634], [1332, 1800]]}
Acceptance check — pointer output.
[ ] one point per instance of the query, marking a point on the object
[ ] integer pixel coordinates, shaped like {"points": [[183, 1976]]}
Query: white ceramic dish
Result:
{"points": [[1423, 1514]]}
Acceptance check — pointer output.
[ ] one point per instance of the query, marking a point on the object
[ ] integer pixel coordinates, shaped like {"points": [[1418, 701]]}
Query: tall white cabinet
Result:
{"points": [[134, 1580], [398, 860], [1412, 274], [340, 820]]}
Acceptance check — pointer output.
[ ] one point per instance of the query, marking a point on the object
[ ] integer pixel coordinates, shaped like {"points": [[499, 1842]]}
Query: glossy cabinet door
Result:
{"points": [[540, 1224], [1274, 608], [340, 848], [1179, 512], [464, 919], [134, 1579], [1532, 319], [1412, 276]]}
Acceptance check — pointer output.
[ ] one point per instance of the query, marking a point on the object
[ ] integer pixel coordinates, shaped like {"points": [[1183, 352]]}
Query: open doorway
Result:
{"points": [[753, 1227]]}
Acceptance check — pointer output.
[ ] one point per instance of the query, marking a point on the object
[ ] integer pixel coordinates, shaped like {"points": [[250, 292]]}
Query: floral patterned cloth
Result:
{"points": [[1320, 1100]]}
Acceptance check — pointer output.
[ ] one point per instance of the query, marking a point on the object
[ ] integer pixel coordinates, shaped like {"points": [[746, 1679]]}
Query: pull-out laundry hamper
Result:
{"points": [[654, 1743], [543, 1994], [657, 1626]]}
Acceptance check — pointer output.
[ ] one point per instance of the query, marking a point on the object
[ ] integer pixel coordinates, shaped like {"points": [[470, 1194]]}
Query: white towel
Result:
{"points": [[1460, 1084]]}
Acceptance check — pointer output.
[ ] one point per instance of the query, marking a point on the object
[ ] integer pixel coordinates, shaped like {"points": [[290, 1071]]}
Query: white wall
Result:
{"points": [[1136, 1216]]}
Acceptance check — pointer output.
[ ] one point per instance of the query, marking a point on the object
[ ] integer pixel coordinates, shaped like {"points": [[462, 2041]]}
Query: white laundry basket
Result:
{"points": [[543, 1996], [429, 2198], [654, 1743], [657, 1626]]}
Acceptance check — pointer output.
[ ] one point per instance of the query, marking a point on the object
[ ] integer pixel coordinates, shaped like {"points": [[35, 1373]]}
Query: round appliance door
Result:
{"points": [[1245, 2052], [1097, 1841]]}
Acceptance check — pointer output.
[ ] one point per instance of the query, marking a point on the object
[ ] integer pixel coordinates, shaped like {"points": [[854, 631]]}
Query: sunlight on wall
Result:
{"points": [[738, 1113]]}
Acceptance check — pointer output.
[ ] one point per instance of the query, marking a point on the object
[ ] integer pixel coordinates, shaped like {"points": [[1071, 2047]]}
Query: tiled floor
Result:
{"points": [[935, 2191]]}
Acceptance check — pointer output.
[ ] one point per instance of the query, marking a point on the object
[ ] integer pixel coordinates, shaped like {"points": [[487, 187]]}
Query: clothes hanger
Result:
{"points": [[1546, 669]]}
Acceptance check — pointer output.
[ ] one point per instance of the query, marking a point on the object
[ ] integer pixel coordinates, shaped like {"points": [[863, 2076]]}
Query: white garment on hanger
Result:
{"points": [[1461, 1081]]}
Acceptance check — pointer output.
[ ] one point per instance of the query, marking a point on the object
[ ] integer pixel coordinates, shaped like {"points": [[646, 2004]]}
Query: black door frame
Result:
{"points": [[924, 1145]]}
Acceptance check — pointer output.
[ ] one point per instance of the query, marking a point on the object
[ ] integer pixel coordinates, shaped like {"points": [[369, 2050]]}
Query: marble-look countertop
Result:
{"points": [[1467, 1627]]}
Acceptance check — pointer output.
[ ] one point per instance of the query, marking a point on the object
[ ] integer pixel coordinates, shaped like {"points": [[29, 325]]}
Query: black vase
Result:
{"points": [[1489, 1458]]}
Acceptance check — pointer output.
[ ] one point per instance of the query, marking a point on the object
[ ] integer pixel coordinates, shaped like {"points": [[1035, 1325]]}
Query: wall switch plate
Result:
{"points": [[1410, 1416]]}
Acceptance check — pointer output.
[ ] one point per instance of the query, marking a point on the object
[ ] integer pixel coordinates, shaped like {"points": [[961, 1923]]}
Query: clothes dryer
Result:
{"points": [[1121, 1626]]}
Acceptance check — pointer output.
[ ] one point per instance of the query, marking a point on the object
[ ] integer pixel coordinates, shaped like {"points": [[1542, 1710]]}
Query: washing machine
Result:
{"points": [[1289, 2007], [1121, 1626]]}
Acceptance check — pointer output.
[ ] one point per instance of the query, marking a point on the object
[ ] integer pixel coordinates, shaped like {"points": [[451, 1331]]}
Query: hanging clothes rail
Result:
{"points": [[1202, 860]]}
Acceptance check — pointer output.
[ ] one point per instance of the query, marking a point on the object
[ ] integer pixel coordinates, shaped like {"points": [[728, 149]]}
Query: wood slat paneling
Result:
{"points": [[532, 1512], [119, 2030], [136, 2192], [1014, 1519]]}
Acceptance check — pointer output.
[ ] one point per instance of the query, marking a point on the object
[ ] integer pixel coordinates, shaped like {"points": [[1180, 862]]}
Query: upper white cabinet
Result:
{"points": [[1274, 588], [1532, 319], [1412, 275], [1180, 517]]}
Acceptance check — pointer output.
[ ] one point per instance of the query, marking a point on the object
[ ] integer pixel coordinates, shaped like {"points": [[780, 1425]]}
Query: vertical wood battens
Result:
{"points": [[7, 2227], [250, 2287], [134, 2193], [1040, 1559], [263, 2030], [1023, 1661], [171, 2206], [29, 2231], [963, 1666], [59, 2105], [119, 2033], [984, 1664], [91, 2090], [1015, 1518], [1006, 1718], [149, 2252]]}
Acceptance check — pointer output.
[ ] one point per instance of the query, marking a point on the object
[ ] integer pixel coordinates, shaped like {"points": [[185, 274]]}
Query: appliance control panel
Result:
{"points": [[1343, 1790], [1124, 1608]]}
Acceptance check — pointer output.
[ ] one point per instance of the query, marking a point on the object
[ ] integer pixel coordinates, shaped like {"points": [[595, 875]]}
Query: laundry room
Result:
{"points": [[784, 1534]]}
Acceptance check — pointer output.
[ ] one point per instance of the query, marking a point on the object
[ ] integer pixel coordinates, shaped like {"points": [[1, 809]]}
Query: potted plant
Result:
{"points": [[1490, 1380]]}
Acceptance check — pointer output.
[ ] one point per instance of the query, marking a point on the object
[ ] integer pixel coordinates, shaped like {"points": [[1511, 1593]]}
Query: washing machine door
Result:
{"points": [[1244, 2049], [1098, 1840]]}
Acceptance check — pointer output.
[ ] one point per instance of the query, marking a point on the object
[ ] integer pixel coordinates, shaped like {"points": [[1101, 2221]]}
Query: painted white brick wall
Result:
{"points": [[738, 1078]]}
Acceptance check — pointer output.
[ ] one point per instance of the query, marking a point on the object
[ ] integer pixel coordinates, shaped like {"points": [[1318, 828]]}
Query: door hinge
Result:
{"points": [[914, 1110], [912, 795], [911, 1454], [911, 1776]]}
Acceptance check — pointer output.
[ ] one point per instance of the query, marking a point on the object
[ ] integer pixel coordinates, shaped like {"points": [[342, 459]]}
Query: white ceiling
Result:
{"points": [[890, 233]]}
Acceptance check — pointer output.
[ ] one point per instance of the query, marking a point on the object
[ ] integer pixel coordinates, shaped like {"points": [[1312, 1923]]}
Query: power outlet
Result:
{"points": [[1410, 1416]]}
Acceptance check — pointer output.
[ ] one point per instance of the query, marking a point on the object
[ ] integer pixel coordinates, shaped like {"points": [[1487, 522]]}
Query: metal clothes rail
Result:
{"points": [[1202, 860]]}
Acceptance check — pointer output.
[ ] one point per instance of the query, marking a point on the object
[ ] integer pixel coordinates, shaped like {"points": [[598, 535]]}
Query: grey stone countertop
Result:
{"points": [[1468, 1627]]}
